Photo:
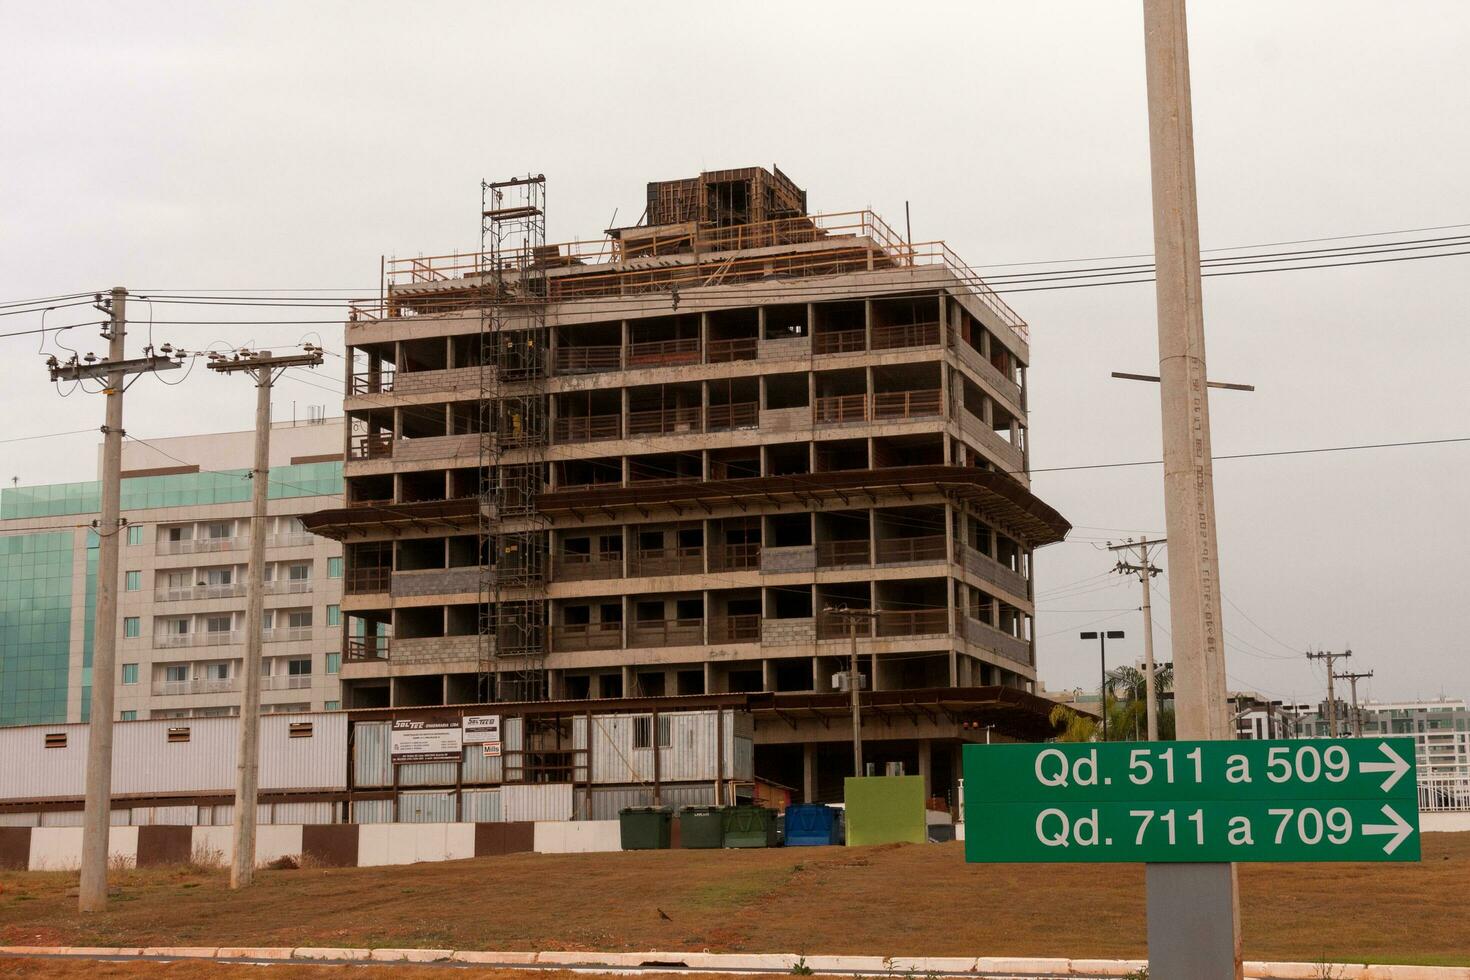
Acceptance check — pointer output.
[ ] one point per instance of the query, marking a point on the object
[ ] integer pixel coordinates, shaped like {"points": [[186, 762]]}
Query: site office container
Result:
{"points": [[175, 756]]}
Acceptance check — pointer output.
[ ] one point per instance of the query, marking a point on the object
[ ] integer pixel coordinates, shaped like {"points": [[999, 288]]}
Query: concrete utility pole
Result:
{"points": [[97, 812], [853, 617], [1353, 679], [1331, 658], [1145, 570], [1193, 909], [264, 367]]}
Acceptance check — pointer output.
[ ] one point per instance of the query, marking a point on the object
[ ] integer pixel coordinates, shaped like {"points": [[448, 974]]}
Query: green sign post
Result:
{"points": [[1352, 799]]}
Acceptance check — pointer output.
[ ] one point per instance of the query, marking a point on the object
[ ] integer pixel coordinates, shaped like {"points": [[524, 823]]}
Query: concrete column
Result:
{"points": [[809, 772], [768, 678], [926, 766]]}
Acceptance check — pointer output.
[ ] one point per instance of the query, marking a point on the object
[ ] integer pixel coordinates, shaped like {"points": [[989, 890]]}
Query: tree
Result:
{"points": [[1072, 726], [1125, 701]]}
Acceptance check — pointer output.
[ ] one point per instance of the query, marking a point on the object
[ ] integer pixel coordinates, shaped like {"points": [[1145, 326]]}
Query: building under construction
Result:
{"points": [[704, 454]]}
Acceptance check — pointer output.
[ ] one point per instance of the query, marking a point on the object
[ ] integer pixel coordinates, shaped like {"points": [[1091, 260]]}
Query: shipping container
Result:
{"points": [[536, 801], [426, 807], [622, 750], [481, 806], [175, 756], [372, 811]]}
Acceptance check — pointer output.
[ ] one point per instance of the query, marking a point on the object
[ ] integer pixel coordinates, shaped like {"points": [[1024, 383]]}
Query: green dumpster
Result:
{"points": [[750, 826], [645, 828], [702, 826]]}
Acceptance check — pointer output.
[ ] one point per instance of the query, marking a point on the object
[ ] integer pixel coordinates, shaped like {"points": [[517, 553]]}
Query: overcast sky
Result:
{"points": [[288, 145]]}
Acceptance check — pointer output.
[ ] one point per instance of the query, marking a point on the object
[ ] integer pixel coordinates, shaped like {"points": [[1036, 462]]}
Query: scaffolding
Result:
{"points": [[513, 400]]}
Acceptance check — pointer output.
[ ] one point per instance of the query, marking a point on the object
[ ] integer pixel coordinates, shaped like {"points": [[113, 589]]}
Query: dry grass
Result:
{"points": [[892, 900], [33, 969]]}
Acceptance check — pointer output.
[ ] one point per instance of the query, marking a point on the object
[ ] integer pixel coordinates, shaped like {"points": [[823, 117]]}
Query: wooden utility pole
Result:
{"points": [[1331, 658], [264, 367], [1193, 909], [97, 811], [1353, 679], [1145, 570]]}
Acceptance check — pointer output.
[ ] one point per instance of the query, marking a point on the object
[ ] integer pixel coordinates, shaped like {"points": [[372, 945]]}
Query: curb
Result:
{"points": [[1018, 968]]}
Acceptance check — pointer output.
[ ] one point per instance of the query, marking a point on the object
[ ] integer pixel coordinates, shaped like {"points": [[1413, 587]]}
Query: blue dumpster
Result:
{"points": [[812, 825]]}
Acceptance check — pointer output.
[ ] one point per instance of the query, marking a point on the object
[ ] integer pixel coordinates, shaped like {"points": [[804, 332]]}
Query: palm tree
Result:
{"points": [[1073, 726], [1125, 701]]}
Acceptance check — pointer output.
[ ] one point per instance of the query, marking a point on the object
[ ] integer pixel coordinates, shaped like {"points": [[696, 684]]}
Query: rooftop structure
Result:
{"points": [[655, 463]]}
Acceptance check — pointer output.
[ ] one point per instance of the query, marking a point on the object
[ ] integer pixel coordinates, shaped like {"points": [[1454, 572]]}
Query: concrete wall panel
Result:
{"points": [[577, 836]]}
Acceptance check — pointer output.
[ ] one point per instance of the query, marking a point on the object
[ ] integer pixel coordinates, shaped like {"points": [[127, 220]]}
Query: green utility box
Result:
{"points": [[645, 828], [702, 826], [750, 826], [885, 809]]}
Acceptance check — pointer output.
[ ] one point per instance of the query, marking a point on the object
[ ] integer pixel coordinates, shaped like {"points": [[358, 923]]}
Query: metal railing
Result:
{"points": [[285, 682], [666, 633], [367, 581], [573, 637], [194, 546], [667, 561], [198, 638], [588, 360], [372, 382], [661, 353], [837, 341], [833, 553], [896, 550], [733, 349], [912, 622], [587, 428], [905, 335], [199, 685], [285, 634], [666, 421], [840, 409], [1011, 647], [1440, 793], [230, 591], [371, 445], [293, 539], [735, 557], [581, 568], [736, 415], [889, 405], [744, 628], [365, 649]]}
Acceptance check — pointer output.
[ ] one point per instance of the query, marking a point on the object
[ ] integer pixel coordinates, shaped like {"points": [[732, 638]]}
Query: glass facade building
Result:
{"points": [[35, 626]]}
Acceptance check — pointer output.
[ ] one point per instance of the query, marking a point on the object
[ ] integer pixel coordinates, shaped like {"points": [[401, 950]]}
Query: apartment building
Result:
{"points": [[661, 462], [181, 588]]}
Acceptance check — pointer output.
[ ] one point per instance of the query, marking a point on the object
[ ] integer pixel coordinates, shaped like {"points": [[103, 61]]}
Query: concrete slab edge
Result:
{"points": [[981, 966]]}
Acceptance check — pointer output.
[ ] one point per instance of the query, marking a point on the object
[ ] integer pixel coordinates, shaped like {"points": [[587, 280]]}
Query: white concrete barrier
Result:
{"points": [[577, 836], [60, 848]]}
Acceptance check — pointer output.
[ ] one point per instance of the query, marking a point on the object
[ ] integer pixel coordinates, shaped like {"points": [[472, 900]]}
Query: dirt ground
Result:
{"points": [[34, 969], [888, 900]]}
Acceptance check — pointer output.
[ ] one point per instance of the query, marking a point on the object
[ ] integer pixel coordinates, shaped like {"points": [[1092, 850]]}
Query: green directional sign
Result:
{"points": [[1317, 800]]}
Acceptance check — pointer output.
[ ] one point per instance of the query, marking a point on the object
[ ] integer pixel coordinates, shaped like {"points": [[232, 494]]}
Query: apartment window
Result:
{"points": [[300, 667], [217, 624], [176, 673], [176, 534], [127, 716], [331, 705], [216, 672], [135, 534], [334, 615], [132, 581], [131, 629], [178, 580], [643, 732], [130, 674], [334, 568], [177, 627], [299, 573], [218, 529], [299, 619], [219, 576], [268, 619], [334, 663]]}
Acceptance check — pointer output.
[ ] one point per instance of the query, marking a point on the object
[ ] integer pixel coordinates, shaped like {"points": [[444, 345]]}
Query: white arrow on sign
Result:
{"points": [[1400, 829], [1395, 767]]}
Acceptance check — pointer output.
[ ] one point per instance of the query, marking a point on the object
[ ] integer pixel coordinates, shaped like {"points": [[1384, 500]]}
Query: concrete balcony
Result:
{"points": [[199, 546], [229, 591], [1001, 451], [286, 634], [983, 566], [198, 686], [1010, 647], [201, 638], [666, 633], [286, 682]]}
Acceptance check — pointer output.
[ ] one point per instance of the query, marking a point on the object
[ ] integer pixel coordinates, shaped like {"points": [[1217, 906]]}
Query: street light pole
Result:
{"points": [[1102, 637]]}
